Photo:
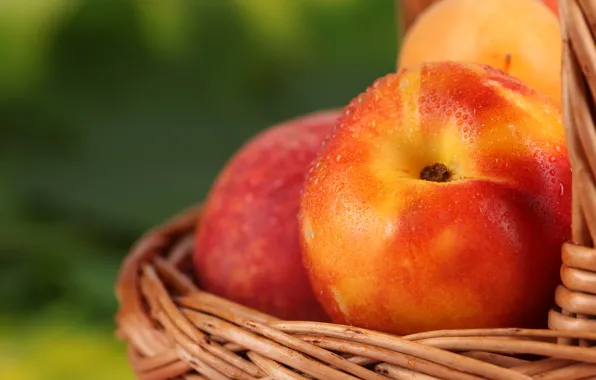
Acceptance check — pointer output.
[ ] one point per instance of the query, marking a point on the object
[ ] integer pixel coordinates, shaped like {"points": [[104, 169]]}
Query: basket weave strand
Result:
{"points": [[174, 330], [219, 339], [576, 296]]}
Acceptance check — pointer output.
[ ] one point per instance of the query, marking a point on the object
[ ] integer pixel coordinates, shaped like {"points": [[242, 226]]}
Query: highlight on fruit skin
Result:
{"points": [[440, 201], [521, 37]]}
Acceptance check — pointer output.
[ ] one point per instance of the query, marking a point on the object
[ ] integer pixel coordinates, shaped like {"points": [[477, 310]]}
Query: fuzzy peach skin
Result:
{"points": [[521, 37], [441, 201], [411, 9], [247, 243], [553, 5]]}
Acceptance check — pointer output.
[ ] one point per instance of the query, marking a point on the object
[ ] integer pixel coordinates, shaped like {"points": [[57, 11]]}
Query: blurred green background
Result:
{"points": [[115, 115]]}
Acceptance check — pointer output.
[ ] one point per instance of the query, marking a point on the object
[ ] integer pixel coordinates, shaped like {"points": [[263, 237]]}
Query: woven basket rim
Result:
{"points": [[174, 330], [176, 303]]}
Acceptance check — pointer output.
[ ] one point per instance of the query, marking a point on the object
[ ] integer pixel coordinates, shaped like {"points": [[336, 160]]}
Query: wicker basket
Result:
{"points": [[176, 331], [410, 9]]}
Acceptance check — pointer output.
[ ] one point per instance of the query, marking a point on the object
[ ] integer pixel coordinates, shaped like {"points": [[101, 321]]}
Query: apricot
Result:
{"points": [[441, 201], [521, 37], [410, 9]]}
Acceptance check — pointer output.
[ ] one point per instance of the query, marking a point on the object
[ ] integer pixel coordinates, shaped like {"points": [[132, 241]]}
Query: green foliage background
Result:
{"points": [[116, 114]]}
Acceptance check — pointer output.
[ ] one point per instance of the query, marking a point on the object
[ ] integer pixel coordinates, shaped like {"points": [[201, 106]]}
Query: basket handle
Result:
{"points": [[576, 296]]}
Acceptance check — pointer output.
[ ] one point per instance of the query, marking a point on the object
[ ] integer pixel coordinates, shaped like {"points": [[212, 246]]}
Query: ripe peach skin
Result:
{"points": [[247, 245], [521, 37], [553, 5], [390, 247], [410, 9]]}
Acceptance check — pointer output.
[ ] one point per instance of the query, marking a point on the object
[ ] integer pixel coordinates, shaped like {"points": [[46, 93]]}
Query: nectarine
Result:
{"points": [[553, 5], [247, 244], [521, 37], [440, 201]]}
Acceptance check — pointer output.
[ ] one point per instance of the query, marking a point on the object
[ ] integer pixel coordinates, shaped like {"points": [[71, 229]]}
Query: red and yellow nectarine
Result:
{"points": [[521, 37], [553, 5], [441, 201], [247, 245]]}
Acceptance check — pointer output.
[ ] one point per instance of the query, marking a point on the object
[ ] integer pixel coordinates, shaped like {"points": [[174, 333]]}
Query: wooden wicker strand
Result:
{"points": [[576, 296], [387, 356], [174, 330], [184, 314]]}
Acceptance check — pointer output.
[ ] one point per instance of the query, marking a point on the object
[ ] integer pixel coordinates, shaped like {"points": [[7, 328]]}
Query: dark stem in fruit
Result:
{"points": [[508, 58], [435, 173]]}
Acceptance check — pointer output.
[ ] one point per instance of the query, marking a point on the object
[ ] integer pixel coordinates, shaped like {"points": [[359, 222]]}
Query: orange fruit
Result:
{"points": [[521, 37]]}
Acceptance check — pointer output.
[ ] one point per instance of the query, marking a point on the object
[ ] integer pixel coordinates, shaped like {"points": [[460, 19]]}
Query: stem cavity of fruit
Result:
{"points": [[435, 173], [508, 58]]}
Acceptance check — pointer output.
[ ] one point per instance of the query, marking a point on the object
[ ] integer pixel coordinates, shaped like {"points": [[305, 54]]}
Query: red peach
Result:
{"points": [[247, 245], [441, 201]]}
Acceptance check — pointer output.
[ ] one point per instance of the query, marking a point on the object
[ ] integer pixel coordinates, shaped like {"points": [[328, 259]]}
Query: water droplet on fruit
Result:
{"points": [[389, 229], [338, 158], [557, 148], [552, 180], [551, 172], [562, 188], [552, 159]]}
